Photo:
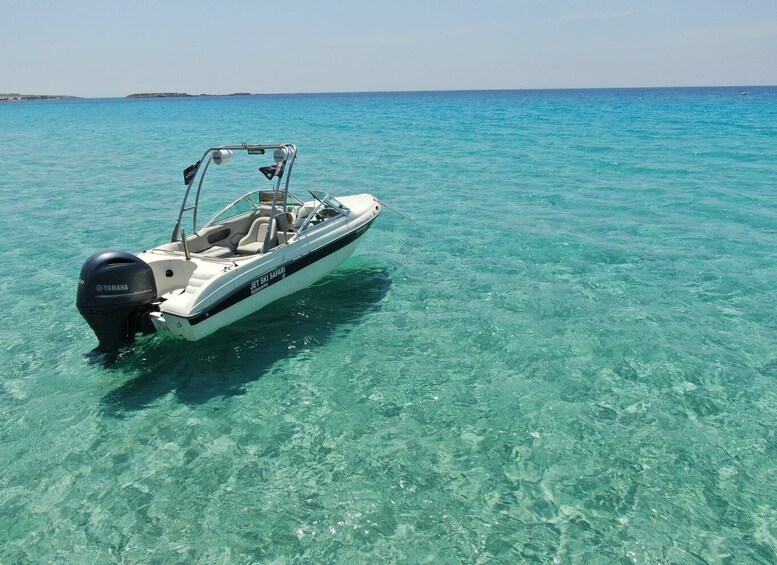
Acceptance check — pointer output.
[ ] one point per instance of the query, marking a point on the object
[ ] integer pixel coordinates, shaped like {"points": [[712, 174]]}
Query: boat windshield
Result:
{"points": [[250, 203], [323, 208], [325, 198]]}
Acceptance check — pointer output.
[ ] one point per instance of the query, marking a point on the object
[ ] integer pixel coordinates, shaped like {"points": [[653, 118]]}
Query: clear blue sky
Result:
{"points": [[111, 48]]}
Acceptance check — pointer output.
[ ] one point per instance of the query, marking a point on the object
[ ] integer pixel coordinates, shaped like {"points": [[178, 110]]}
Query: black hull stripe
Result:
{"points": [[278, 274]]}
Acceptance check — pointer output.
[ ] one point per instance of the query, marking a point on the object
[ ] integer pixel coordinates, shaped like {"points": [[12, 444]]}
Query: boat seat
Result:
{"points": [[253, 241], [285, 236], [217, 251], [283, 221], [303, 213]]}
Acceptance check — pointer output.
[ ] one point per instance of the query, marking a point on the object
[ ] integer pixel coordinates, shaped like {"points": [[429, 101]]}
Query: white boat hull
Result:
{"points": [[264, 245], [217, 294], [197, 327]]}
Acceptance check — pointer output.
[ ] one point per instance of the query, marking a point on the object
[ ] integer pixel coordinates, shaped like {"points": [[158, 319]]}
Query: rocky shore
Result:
{"points": [[180, 94], [15, 97], [159, 95]]}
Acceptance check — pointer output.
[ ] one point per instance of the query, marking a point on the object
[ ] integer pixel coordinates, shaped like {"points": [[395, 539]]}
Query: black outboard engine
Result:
{"points": [[116, 292]]}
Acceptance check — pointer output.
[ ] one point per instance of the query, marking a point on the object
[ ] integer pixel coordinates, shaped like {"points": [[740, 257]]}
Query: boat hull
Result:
{"points": [[281, 280]]}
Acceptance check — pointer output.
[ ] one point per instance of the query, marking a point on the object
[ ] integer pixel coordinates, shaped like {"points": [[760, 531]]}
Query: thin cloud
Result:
{"points": [[607, 16]]}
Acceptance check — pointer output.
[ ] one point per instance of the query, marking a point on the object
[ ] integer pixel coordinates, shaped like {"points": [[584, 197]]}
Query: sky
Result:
{"points": [[108, 48]]}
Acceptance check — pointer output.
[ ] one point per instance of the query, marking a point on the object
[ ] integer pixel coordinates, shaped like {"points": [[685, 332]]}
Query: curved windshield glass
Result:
{"points": [[323, 208], [332, 202], [251, 202]]}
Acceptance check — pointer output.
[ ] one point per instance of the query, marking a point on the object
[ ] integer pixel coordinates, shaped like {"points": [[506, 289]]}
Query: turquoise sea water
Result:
{"points": [[590, 375]]}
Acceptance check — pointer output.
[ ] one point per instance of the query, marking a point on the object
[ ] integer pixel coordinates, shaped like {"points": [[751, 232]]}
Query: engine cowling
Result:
{"points": [[116, 292]]}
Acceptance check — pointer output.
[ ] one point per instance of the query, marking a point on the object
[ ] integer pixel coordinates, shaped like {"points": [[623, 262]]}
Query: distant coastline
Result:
{"points": [[741, 89], [180, 94], [15, 97]]}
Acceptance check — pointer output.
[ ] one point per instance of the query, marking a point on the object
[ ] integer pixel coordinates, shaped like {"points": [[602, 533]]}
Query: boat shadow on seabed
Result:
{"points": [[222, 364]]}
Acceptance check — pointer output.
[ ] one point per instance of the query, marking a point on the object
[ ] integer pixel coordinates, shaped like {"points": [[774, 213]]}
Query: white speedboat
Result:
{"points": [[265, 245]]}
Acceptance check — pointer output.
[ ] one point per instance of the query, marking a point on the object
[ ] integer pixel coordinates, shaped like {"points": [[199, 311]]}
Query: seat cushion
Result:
{"points": [[254, 239], [217, 251], [250, 248]]}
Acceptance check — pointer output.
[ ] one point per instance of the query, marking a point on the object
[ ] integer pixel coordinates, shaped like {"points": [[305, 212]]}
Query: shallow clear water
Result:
{"points": [[588, 375]]}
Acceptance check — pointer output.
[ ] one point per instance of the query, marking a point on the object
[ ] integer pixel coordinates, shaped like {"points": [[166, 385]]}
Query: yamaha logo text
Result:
{"points": [[111, 287]]}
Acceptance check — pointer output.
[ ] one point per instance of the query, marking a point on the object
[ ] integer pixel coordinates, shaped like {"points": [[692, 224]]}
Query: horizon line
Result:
{"points": [[171, 94]]}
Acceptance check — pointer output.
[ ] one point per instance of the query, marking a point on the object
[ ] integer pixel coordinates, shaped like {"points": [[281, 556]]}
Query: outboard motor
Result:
{"points": [[116, 292]]}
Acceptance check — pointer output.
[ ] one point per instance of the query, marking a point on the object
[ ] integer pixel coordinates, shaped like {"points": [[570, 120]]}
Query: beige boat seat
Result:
{"points": [[282, 221], [217, 251], [253, 241], [303, 213], [285, 227]]}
